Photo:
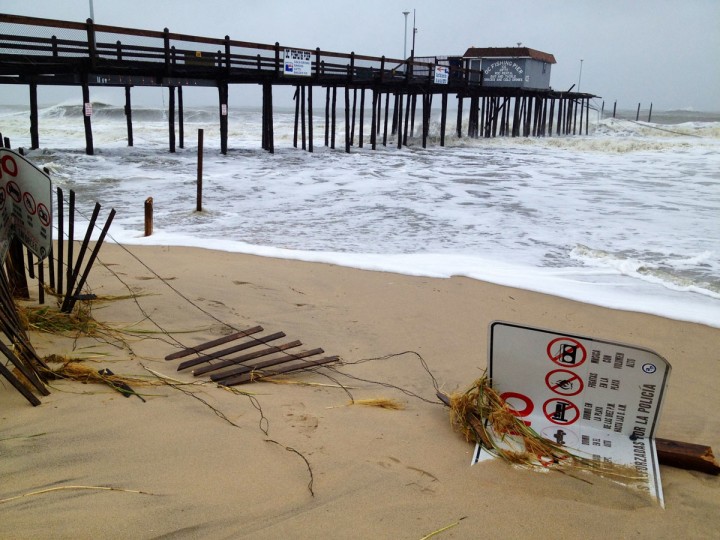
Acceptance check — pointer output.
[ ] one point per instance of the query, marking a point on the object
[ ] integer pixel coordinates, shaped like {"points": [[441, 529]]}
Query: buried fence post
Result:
{"points": [[148, 216]]}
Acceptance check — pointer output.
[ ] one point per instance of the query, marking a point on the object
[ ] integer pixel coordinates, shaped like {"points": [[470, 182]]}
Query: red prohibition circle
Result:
{"points": [[558, 385], [14, 191], [43, 214], [566, 348], [567, 406], [529, 406], [29, 201], [4, 167]]}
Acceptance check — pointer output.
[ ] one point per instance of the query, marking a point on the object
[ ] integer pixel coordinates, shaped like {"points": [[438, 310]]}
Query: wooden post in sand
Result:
{"points": [[148, 216]]}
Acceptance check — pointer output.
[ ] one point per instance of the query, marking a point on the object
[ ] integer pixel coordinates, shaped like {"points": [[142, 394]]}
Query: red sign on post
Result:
{"points": [[25, 203]]}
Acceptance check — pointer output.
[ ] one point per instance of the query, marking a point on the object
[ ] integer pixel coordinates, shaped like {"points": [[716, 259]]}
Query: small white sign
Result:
{"points": [[298, 63], [599, 399], [442, 75], [88, 109], [25, 204]]}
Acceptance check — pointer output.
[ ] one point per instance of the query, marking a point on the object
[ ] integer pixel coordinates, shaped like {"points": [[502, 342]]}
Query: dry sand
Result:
{"points": [[376, 473]]}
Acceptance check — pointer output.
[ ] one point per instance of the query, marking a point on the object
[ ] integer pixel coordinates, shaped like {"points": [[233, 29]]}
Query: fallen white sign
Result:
{"points": [[599, 399]]}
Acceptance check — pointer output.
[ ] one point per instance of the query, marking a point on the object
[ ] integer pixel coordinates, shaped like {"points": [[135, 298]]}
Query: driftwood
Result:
{"points": [[683, 455]]}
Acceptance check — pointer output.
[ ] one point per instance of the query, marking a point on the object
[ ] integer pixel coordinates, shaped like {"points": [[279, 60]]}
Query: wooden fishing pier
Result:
{"points": [[37, 51]]}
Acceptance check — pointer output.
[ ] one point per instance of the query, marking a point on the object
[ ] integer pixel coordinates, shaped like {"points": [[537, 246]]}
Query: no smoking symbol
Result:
{"points": [[561, 411], [564, 382], [567, 352]]}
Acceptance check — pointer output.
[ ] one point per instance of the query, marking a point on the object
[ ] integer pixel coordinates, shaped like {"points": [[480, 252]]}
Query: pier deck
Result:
{"points": [[36, 51]]}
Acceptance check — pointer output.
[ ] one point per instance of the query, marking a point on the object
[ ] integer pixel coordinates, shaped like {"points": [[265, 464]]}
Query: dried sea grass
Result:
{"points": [[75, 370], [482, 416], [51, 321], [382, 403], [62, 488]]}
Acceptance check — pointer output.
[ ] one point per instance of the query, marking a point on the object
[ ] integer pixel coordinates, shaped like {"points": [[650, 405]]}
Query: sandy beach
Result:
{"points": [[296, 461]]}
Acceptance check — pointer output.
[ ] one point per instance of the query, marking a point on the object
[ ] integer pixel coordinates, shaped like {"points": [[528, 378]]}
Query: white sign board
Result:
{"points": [[442, 75], [298, 63], [25, 204], [599, 399]]}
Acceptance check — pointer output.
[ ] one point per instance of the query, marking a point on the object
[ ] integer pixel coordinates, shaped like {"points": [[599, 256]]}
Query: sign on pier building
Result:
{"points": [[515, 67]]}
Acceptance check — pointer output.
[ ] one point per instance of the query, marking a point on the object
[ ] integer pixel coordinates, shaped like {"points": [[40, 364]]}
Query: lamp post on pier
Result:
{"points": [[406, 13], [580, 77], [412, 52]]}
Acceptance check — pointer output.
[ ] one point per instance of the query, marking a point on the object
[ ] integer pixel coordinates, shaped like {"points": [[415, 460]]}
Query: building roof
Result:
{"points": [[509, 52]]}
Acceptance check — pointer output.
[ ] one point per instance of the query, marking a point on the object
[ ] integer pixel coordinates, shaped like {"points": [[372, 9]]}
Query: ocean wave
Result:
{"points": [[673, 272]]}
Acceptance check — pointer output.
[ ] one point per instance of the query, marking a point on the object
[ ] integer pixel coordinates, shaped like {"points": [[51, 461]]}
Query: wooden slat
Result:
{"points": [[265, 364], [245, 358], [256, 374], [205, 358], [213, 343]]}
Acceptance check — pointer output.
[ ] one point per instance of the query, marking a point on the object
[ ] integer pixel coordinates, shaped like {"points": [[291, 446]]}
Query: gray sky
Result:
{"points": [[633, 51]]}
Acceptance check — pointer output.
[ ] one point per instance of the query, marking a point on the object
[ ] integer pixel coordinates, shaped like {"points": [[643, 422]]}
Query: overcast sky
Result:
{"points": [[632, 51]]}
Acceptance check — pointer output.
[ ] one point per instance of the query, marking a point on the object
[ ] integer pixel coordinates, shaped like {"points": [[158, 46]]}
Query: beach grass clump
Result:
{"points": [[482, 416], [53, 321], [382, 403]]}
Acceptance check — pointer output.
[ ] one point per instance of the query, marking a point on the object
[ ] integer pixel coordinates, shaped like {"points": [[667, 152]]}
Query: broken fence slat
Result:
{"points": [[205, 358], [245, 358], [684, 455], [214, 343], [26, 370], [20, 387], [256, 375], [284, 359]]}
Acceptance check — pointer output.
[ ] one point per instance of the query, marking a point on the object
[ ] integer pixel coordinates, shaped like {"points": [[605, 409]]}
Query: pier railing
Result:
{"points": [[37, 46]]}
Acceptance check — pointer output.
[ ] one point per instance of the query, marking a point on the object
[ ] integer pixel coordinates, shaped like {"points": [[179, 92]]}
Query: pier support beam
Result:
{"points": [[171, 118], [327, 116], [302, 117], [34, 131], [128, 116], [362, 118], [223, 95], [268, 142], [399, 101], [181, 124], [443, 117], [459, 116], [333, 107], [387, 109], [310, 117], [347, 120], [87, 111], [373, 129]]}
